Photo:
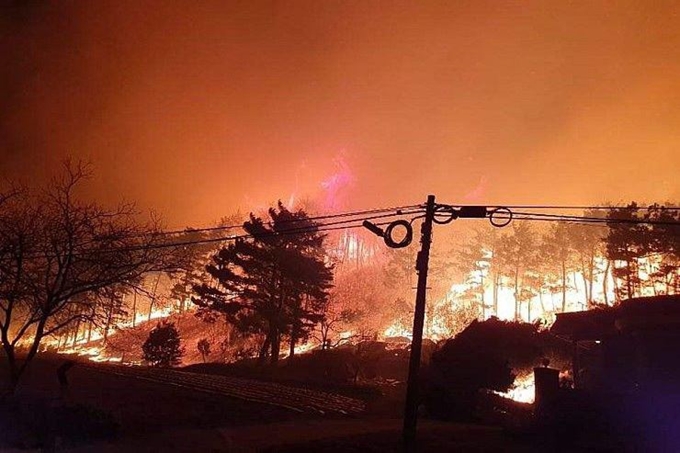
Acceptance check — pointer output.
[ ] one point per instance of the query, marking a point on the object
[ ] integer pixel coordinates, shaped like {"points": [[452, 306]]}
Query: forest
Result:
{"points": [[73, 273]]}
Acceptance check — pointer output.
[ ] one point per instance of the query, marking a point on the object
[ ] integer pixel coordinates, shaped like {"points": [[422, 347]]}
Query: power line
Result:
{"points": [[319, 227], [584, 219], [380, 213], [190, 230], [567, 207], [300, 230], [314, 218]]}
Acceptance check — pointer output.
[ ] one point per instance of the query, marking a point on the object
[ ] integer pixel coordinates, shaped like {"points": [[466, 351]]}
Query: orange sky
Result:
{"points": [[195, 111]]}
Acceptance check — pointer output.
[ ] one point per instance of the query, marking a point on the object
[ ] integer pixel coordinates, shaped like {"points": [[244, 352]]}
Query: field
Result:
{"points": [[158, 410]]}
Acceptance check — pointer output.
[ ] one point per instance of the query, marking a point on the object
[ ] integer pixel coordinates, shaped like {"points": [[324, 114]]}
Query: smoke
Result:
{"points": [[198, 110], [337, 187]]}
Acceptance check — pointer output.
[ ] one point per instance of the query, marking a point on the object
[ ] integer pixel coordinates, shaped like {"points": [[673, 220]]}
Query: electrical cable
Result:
{"points": [[498, 216], [567, 207], [301, 230], [584, 219], [314, 218]]}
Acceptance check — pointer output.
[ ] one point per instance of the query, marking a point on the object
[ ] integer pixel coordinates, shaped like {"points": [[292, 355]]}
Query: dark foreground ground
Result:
{"points": [[154, 416]]}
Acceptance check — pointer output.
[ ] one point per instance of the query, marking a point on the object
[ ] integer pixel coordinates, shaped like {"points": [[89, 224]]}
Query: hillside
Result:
{"points": [[126, 344]]}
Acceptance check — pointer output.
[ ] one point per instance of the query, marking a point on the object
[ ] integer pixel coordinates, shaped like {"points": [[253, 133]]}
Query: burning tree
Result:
{"points": [[532, 272], [57, 254], [480, 260], [358, 304], [473, 259], [558, 260], [518, 252], [587, 243], [273, 285], [644, 254], [665, 243]]}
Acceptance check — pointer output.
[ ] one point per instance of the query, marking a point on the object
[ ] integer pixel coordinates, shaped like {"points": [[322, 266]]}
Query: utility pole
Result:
{"points": [[440, 214], [422, 263]]}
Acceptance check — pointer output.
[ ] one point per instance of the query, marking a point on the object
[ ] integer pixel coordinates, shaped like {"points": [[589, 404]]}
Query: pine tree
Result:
{"points": [[557, 252], [518, 252], [274, 285], [625, 244], [162, 348], [638, 244]]}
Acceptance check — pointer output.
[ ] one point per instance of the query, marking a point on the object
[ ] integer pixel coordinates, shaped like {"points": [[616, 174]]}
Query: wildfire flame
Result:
{"points": [[523, 390], [89, 345]]}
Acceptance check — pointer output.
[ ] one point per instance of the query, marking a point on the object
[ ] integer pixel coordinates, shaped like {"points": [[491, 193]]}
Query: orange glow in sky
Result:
{"points": [[196, 110]]}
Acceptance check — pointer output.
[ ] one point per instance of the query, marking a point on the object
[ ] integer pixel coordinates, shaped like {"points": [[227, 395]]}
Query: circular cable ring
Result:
{"points": [[504, 221], [405, 241], [445, 209]]}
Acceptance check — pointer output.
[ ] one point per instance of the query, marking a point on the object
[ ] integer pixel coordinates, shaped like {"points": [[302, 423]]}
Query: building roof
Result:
{"points": [[633, 313], [585, 325]]}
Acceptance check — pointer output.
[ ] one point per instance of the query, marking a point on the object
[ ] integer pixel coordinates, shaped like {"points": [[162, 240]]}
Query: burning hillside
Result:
{"points": [[285, 286]]}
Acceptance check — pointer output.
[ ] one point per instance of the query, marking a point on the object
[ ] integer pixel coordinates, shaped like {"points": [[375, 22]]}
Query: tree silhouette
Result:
{"points": [[557, 259], [197, 256], [655, 245], [518, 253], [58, 253], [162, 348], [204, 348], [274, 285], [474, 259], [587, 243], [664, 241]]}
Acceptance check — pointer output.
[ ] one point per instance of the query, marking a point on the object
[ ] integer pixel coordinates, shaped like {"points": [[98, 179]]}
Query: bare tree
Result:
{"points": [[335, 319], [57, 253]]}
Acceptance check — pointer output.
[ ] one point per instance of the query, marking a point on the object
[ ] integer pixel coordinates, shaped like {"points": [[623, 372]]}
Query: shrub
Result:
{"points": [[204, 348], [481, 357], [162, 348]]}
